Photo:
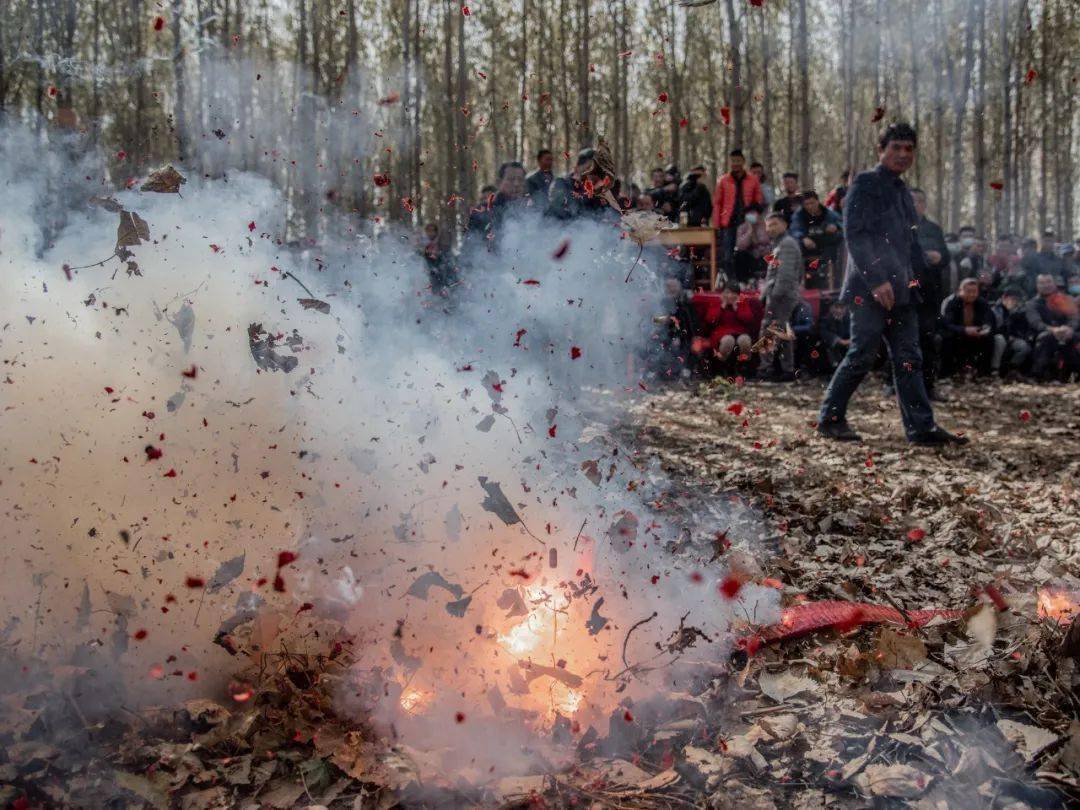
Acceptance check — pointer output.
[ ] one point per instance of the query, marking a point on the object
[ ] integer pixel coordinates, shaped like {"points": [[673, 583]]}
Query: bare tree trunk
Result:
{"points": [[736, 95], [523, 71], [916, 60], [848, 35], [180, 77], [1044, 114], [460, 111], [1005, 210], [564, 74], [766, 47], [584, 109], [805, 167], [791, 114], [452, 136], [959, 108], [939, 108], [979, 128]]}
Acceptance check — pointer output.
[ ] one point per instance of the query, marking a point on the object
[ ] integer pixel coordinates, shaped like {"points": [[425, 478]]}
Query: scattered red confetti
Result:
{"points": [[1025, 416], [381, 180], [997, 185], [159, 23], [683, 123], [736, 408], [1031, 76], [996, 597], [140, 635], [730, 587], [286, 557], [194, 582], [575, 352], [193, 676], [121, 155], [551, 431], [654, 578], [662, 98], [561, 250], [869, 461], [629, 718], [879, 113], [171, 473], [465, 13], [459, 717], [520, 572], [305, 607], [279, 583], [388, 99], [153, 453], [696, 577], [532, 282], [251, 225], [725, 116], [52, 91], [157, 672], [109, 389], [916, 534]]}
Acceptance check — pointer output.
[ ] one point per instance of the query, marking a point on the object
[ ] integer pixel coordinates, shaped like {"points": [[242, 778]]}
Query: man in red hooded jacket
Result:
{"points": [[734, 192]]}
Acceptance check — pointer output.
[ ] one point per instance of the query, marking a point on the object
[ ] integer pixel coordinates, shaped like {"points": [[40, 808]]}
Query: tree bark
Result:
{"points": [[959, 108], [180, 80], [979, 127], [805, 168], [1004, 218]]}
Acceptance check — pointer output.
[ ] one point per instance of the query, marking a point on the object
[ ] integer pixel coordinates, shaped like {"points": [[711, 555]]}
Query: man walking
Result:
{"points": [[884, 257]]}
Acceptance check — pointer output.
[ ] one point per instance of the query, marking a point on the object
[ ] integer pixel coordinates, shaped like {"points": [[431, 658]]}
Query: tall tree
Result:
{"points": [[960, 98], [805, 174]]}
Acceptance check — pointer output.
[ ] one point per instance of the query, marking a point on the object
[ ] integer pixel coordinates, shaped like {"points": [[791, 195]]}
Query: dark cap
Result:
{"points": [[585, 155]]}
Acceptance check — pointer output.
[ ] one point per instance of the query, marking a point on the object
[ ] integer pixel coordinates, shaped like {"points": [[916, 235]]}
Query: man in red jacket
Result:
{"points": [[736, 321], [734, 192]]}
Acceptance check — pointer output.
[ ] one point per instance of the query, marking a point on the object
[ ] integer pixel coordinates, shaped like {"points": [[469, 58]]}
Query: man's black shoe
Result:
{"points": [[938, 437], [840, 431]]}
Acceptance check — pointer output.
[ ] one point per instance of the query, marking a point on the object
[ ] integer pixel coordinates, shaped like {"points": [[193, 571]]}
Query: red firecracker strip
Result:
{"points": [[811, 617]]}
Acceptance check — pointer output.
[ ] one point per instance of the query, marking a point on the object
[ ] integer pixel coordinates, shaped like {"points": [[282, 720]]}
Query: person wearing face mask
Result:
{"points": [[751, 246], [1044, 261], [1074, 285], [950, 279]]}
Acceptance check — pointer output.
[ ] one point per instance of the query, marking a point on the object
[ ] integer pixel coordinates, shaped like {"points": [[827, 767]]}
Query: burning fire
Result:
{"points": [[1058, 604], [541, 624], [414, 700]]}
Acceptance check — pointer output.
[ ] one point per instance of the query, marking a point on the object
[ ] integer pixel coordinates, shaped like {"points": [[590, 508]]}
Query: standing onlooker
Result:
{"points": [[538, 183], [768, 193], [883, 256], [734, 192], [835, 199], [1054, 318], [1045, 261], [931, 278], [780, 294], [790, 201], [694, 199], [510, 196]]}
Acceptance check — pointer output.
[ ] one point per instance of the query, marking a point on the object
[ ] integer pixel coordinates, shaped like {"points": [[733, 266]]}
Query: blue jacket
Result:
{"points": [[879, 224]]}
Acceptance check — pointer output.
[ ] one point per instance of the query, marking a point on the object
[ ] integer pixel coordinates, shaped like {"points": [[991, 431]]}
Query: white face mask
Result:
{"points": [[752, 217], [967, 241]]}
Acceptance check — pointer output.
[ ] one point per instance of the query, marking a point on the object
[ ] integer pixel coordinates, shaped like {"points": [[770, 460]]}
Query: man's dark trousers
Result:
{"points": [[900, 328]]}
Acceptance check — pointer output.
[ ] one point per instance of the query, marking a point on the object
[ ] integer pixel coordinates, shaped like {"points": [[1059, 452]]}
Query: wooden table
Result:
{"points": [[695, 237]]}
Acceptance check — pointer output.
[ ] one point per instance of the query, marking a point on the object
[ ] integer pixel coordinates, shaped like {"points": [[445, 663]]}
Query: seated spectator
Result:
{"points": [[645, 201], [695, 201], [819, 233], [751, 245], [1074, 285], [951, 277], [806, 339], [479, 222], [1054, 319], [735, 323], [989, 283], [969, 323], [835, 330], [671, 343], [1012, 338]]}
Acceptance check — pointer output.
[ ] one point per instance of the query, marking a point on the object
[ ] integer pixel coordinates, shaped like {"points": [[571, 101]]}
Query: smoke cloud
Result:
{"points": [[233, 440]]}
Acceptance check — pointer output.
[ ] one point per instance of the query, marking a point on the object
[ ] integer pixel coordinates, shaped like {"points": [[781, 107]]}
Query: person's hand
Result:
{"points": [[883, 294], [843, 341], [984, 331], [830, 229], [933, 256], [971, 331], [808, 242]]}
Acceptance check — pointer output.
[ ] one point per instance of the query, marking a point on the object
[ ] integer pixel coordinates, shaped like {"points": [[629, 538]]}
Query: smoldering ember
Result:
{"points": [[611, 405]]}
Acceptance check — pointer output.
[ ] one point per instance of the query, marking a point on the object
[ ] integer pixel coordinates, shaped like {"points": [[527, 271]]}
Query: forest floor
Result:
{"points": [[974, 710]]}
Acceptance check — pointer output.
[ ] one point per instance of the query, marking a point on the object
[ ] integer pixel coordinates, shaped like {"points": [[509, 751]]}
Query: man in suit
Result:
{"points": [[884, 259]]}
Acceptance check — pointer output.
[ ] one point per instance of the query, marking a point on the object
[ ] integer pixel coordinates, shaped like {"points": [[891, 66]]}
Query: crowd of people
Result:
{"points": [[776, 313]]}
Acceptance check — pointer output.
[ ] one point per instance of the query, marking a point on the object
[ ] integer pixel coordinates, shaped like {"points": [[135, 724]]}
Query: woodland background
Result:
{"points": [[323, 95]]}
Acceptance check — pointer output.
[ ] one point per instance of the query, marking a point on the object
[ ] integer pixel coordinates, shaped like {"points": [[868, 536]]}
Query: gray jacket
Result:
{"points": [[783, 278], [879, 224]]}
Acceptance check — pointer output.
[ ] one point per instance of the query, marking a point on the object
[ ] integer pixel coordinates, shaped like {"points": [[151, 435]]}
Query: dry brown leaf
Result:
{"points": [[898, 651], [132, 230], [165, 180]]}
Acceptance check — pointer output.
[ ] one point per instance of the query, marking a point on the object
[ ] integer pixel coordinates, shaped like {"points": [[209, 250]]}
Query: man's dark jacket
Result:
{"points": [[696, 200], [879, 223], [931, 278], [833, 329], [952, 315], [537, 185], [568, 199]]}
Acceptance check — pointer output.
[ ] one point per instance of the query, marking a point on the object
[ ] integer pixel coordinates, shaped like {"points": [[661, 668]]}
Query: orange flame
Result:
{"points": [[1057, 604]]}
